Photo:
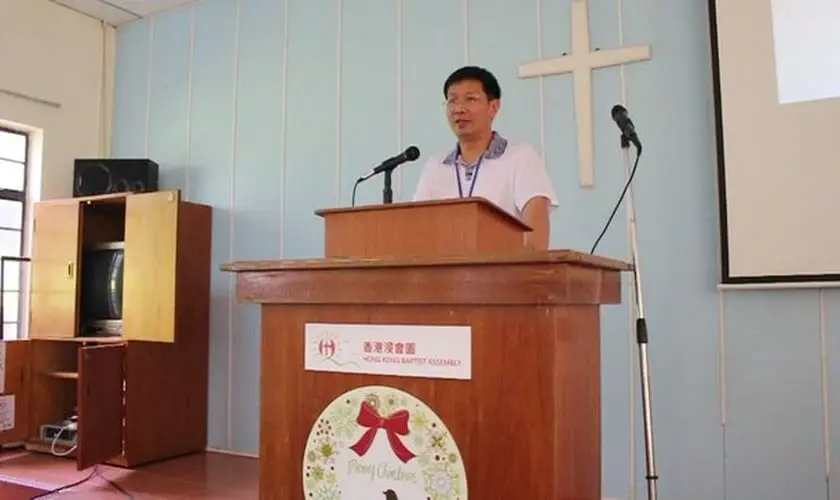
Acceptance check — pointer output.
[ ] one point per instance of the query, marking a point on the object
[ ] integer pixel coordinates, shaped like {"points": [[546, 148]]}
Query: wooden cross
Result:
{"points": [[581, 62]]}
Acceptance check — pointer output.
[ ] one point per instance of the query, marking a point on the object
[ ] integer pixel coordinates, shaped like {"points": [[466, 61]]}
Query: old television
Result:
{"points": [[101, 290]]}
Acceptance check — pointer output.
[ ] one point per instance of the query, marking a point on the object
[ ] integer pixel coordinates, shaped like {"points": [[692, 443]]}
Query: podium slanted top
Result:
{"points": [[421, 229]]}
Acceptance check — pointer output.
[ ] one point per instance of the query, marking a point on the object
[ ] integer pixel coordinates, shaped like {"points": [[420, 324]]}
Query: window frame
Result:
{"points": [[20, 197], [12, 194]]}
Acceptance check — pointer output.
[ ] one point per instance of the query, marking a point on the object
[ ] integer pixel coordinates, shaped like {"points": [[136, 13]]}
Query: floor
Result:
{"points": [[11, 491], [212, 476]]}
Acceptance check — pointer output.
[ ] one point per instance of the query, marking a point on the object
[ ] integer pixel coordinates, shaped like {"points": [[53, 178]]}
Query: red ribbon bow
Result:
{"points": [[395, 424]]}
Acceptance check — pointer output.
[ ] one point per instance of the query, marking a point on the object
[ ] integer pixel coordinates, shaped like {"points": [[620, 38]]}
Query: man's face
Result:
{"points": [[468, 109]]}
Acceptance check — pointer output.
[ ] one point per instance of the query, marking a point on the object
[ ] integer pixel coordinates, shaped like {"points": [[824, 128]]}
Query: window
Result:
{"points": [[14, 156]]}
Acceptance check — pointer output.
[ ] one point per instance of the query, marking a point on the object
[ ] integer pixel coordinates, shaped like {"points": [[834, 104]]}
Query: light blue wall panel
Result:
{"points": [[502, 35], [258, 189], [312, 179], [270, 109], [210, 179], [432, 48], [169, 97], [368, 109], [774, 396], [131, 88]]}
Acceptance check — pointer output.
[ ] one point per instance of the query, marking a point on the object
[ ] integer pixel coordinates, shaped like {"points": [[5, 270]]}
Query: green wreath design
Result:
{"points": [[443, 471]]}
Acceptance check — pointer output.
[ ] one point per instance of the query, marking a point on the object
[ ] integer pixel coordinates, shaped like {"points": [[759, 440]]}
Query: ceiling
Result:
{"points": [[116, 12]]}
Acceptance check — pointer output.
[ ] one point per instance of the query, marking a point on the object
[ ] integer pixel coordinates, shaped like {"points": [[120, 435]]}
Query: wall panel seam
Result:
{"points": [[150, 57], [232, 220], [190, 76], [284, 92], [339, 36]]}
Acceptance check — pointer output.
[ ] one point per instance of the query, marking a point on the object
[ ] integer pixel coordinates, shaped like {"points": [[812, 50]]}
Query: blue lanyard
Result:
{"points": [[475, 176]]}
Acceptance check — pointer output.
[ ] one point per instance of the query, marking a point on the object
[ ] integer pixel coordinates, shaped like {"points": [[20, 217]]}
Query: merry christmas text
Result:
{"points": [[383, 470]]}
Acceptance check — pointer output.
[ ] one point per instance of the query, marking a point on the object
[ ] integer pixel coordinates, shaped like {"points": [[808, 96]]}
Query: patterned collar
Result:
{"points": [[497, 148]]}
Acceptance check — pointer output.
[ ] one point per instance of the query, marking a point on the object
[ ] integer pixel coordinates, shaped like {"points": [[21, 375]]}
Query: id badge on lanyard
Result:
{"points": [[474, 177]]}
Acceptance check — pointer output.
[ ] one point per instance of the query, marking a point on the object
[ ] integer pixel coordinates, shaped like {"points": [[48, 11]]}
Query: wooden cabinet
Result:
{"points": [[153, 230], [126, 353], [54, 287]]}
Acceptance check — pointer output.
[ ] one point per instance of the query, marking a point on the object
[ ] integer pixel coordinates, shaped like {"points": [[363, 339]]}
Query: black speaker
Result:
{"points": [[93, 176]]}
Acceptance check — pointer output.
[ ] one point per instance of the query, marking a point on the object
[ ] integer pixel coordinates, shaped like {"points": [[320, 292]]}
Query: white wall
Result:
{"points": [[56, 81], [56, 69]]}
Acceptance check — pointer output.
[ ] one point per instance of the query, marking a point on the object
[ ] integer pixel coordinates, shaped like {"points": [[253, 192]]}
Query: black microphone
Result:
{"points": [[628, 135], [625, 124], [410, 154]]}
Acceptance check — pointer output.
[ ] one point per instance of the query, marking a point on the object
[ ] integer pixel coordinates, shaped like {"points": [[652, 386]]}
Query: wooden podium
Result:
{"points": [[527, 423]]}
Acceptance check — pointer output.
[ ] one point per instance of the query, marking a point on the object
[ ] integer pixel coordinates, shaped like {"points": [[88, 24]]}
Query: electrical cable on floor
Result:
{"points": [[72, 425], [115, 485], [80, 482], [66, 487]]}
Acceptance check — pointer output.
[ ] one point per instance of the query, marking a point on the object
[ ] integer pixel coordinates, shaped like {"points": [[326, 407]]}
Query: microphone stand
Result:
{"points": [[387, 192], [641, 326]]}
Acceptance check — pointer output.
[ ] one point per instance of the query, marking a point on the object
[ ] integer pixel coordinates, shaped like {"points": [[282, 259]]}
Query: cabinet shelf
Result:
{"points": [[90, 340], [60, 375]]}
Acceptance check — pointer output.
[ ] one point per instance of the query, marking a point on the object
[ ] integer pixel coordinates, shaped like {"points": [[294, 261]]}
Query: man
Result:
{"points": [[483, 163]]}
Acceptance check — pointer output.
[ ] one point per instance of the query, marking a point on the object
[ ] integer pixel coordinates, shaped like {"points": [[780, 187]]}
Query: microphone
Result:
{"points": [[628, 135], [387, 167], [410, 154], [625, 124]]}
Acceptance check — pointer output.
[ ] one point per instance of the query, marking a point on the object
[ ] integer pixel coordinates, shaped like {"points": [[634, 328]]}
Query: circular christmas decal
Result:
{"points": [[380, 443]]}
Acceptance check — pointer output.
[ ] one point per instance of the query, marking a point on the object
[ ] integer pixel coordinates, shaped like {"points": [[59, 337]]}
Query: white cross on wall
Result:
{"points": [[580, 63]]}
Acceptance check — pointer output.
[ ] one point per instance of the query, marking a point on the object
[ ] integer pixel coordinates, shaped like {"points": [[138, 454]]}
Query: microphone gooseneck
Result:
{"points": [[410, 154], [628, 135], [387, 167]]}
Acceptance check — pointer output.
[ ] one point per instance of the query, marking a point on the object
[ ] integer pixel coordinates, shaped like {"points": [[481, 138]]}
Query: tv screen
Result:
{"points": [[101, 285]]}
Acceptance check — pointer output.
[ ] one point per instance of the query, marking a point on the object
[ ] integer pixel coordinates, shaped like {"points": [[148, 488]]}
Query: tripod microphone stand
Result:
{"points": [[641, 323]]}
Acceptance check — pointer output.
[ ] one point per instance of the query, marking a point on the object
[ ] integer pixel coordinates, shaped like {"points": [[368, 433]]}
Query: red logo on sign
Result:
{"points": [[326, 348]]}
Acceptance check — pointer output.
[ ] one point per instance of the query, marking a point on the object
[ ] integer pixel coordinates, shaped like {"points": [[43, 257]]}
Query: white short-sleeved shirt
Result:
{"points": [[509, 174]]}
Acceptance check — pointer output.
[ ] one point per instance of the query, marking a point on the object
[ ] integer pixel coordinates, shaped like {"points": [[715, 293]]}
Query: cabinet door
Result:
{"points": [[54, 292], [151, 236], [100, 404], [15, 378]]}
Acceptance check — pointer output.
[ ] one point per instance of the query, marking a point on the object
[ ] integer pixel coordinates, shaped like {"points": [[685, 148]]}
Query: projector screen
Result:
{"points": [[777, 84]]}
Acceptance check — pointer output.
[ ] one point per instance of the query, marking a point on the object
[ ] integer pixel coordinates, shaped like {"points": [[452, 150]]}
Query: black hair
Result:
{"points": [[486, 78]]}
